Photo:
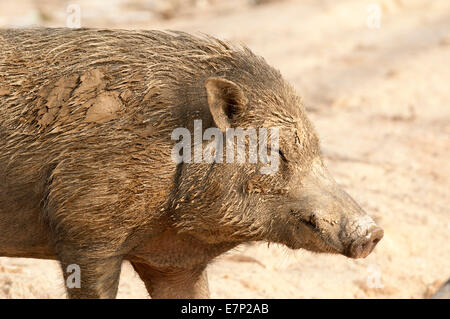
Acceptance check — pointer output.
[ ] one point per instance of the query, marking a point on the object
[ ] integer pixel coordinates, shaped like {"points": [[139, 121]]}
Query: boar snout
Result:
{"points": [[362, 247], [333, 222], [340, 226], [358, 230]]}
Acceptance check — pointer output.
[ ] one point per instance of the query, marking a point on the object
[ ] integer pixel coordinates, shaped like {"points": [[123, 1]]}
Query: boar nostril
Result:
{"points": [[313, 219], [362, 247], [376, 235]]}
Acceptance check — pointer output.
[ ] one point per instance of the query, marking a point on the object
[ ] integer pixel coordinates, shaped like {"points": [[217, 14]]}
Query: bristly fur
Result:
{"points": [[86, 174]]}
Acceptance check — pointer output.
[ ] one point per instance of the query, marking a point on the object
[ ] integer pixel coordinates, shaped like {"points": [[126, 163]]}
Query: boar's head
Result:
{"points": [[298, 204]]}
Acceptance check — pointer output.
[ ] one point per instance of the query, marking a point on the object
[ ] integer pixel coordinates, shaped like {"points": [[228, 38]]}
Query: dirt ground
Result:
{"points": [[379, 97]]}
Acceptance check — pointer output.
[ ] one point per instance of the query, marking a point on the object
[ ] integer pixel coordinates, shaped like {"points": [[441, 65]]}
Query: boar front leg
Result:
{"points": [[88, 224], [180, 284], [98, 277]]}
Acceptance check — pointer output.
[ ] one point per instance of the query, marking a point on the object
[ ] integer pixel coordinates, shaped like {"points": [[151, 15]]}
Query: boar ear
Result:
{"points": [[226, 101]]}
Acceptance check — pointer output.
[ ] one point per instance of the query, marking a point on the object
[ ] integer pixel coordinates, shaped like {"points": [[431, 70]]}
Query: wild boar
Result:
{"points": [[88, 177]]}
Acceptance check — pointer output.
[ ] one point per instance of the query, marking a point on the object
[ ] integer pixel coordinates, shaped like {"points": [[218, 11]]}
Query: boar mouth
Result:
{"points": [[309, 220], [306, 219]]}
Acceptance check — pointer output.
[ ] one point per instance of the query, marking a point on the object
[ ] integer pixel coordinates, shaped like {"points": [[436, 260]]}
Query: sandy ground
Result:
{"points": [[380, 100]]}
